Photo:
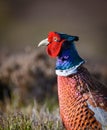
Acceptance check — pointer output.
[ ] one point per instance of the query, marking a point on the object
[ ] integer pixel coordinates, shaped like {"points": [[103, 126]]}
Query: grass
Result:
{"points": [[15, 121], [31, 117]]}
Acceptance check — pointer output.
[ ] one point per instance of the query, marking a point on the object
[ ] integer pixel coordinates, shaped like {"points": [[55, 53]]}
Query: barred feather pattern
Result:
{"points": [[75, 98]]}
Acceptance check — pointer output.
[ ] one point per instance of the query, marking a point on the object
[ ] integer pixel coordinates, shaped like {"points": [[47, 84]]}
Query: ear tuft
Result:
{"points": [[76, 38]]}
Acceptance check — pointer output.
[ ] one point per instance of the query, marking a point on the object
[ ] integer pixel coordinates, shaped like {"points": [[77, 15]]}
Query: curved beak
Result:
{"points": [[43, 42]]}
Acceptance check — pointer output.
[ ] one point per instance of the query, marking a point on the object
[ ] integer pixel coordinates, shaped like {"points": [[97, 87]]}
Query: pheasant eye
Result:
{"points": [[55, 39]]}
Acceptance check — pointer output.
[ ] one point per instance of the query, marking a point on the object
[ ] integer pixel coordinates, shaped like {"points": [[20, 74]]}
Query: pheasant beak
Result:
{"points": [[43, 42]]}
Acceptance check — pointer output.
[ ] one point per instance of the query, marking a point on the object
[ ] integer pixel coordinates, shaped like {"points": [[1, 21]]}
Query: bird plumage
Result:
{"points": [[82, 99], [75, 98]]}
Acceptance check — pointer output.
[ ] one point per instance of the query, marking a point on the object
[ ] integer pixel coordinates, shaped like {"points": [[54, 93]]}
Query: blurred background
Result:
{"points": [[25, 70], [26, 22]]}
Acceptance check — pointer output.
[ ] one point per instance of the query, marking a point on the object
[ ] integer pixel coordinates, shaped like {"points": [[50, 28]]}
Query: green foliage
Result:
{"points": [[16, 121]]}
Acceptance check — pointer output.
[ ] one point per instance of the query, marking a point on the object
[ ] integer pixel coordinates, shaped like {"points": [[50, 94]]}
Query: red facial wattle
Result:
{"points": [[55, 44]]}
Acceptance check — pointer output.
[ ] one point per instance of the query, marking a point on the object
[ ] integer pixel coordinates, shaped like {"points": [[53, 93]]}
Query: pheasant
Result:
{"points": [[82, 99]]}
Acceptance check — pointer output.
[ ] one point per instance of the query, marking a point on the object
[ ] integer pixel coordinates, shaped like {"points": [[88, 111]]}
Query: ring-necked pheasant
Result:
{"points": [[82, 99]]}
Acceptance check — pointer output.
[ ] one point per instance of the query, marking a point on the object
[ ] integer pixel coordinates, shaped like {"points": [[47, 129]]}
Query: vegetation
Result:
{"points": [[30, 117]]}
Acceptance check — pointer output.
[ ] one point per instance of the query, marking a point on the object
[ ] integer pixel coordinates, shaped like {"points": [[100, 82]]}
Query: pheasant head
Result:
{"points": [[62, 47]]}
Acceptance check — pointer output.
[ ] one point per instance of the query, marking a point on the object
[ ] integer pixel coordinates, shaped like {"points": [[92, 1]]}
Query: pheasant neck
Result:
{"points": [[68, 60]]}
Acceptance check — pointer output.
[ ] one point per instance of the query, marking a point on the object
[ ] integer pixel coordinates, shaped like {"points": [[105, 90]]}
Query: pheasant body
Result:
{"points": [[73, 101], [82, 99]]}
